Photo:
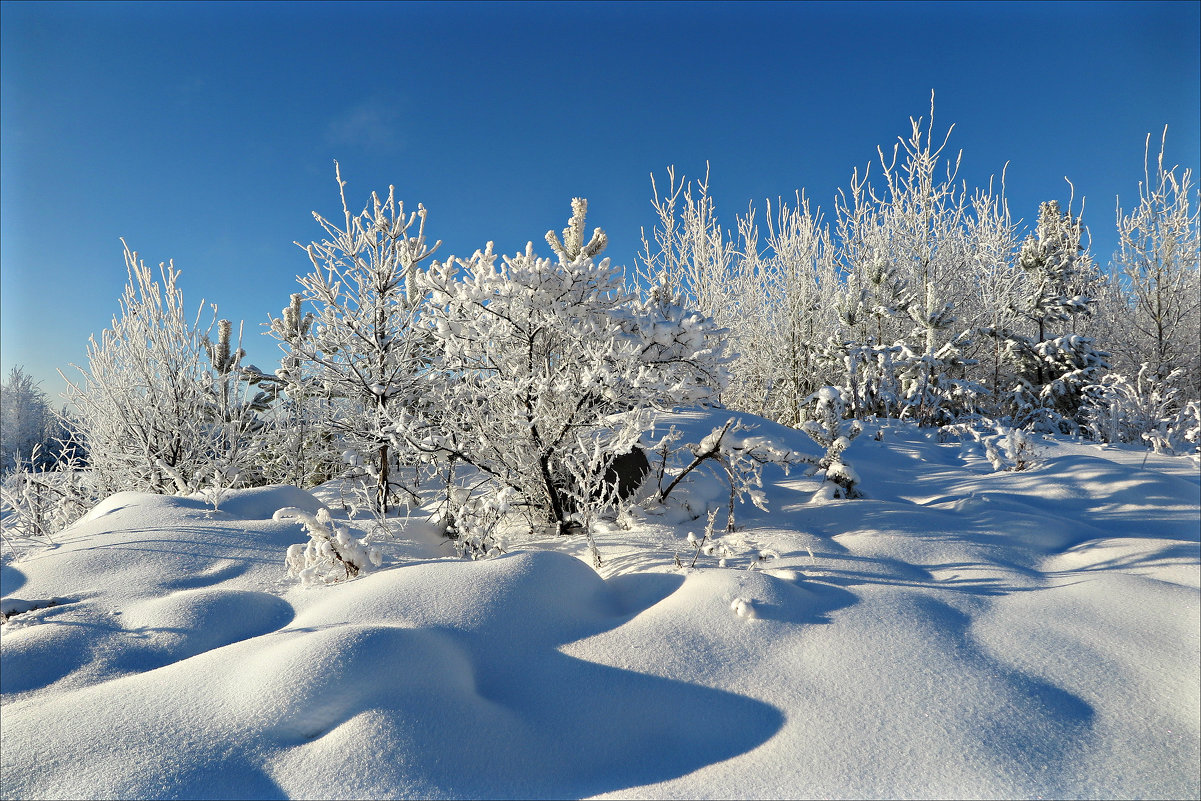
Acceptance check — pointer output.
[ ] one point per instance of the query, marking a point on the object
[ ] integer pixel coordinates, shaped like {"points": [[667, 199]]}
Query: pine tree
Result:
{"points": [[548, 370], [1052, 366]]}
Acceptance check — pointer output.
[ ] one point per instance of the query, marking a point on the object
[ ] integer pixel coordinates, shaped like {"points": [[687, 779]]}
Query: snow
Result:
{"points": [[959, 632]]}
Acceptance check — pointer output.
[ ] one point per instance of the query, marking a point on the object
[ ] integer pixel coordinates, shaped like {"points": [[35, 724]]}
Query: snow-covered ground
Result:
{"points": [[960, 632]]}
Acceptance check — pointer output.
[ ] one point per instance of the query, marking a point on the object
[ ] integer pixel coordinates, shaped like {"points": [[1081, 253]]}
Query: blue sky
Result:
{"points": [[207, 132]]}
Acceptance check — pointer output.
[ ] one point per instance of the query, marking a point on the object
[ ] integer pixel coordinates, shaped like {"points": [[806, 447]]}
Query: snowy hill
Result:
{"points": [[959, 632]]}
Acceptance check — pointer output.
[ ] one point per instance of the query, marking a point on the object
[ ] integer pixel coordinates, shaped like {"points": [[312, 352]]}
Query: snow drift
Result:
{"points": [[959, 632]]}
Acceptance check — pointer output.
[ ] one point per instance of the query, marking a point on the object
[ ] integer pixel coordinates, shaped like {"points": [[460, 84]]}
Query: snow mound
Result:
{"points": [[959, 632], [450, 673], [260, 503]]}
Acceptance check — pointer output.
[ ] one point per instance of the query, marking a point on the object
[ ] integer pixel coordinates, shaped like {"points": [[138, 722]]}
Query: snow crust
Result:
{"points": [[959, 632]]}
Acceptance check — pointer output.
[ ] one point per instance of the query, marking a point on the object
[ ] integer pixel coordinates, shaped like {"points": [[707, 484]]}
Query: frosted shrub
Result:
{"points": [[1121, 410], [37, 503], [331, 553], [1148, 410], [1179, 434], [1005, 447], [827, 431], [548, 369], [740, 457], [472, 524], [161, 407]]}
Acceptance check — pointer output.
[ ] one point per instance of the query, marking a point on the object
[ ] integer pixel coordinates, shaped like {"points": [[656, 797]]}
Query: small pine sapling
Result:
{"points": [[1018, 448], [826, 430], [1008, 448], [233, 411]]}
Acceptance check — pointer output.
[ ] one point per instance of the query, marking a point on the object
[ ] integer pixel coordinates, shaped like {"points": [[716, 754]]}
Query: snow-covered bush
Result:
{"points": [[740, 457], [161, 407], [1120, 410], [692, 256], [827, 430], [36, 503], [331, 553], [784, 311], [1179, 434], [473, 519], [547, 370], [1006, 447]]}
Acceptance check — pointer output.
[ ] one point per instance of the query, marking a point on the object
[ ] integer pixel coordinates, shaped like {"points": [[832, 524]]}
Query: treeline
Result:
{"points": [[916, 299], [921, 299]]}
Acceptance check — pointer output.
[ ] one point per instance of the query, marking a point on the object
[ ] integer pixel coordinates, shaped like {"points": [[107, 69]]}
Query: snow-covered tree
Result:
{"points": [[691, 255], [1159, 251], [798, 282], [1053, 366], [366, 345], [549, 369], [906, 251], [999, 283], [773, 297], [925, 218], [873, 306], [160, 407], [26, 422]]}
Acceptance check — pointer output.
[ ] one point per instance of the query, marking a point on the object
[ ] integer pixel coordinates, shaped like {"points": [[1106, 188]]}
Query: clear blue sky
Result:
{"points": [[206, 132]]}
